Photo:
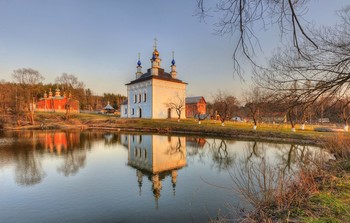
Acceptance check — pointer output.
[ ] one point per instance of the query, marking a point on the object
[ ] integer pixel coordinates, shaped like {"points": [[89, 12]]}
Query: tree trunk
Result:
{"points": [[67, 112], [31, 114], [255, 122], [291, 120]]}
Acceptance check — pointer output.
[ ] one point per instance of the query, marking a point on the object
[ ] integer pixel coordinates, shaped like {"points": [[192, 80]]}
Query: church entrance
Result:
{"points": [[169, 112], [140, 113]]}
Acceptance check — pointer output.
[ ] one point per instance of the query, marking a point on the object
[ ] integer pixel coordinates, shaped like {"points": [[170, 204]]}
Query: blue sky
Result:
{"points": [[98, 41]]}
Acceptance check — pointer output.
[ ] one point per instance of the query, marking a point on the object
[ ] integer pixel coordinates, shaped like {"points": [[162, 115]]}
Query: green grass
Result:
{"points": [[332, 203]]}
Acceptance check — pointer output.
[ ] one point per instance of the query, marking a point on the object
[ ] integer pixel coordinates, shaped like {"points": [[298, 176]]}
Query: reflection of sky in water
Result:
{"points": [[94, 176]]}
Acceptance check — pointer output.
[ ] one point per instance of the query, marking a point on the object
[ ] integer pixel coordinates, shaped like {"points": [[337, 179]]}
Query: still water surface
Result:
{"points": [[72, 176]]}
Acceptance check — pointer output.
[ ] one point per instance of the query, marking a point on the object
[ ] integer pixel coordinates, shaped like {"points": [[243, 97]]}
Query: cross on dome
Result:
{"points": [[155, 43]]}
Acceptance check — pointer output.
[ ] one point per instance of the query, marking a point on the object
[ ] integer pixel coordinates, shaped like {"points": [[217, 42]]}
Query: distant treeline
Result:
{"points": [[27, 88]]}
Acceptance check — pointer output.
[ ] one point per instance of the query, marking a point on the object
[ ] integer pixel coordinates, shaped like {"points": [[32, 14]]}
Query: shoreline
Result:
{"points": [[299, 137]]}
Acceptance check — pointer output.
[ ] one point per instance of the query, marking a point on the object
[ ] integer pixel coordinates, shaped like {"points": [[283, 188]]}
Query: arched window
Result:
{"points": [[144, 97], [139, 97], [140, 139], [135, 98]]}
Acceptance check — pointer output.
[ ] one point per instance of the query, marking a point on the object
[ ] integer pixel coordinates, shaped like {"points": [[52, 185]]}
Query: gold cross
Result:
{"points": [[139, 55], [155, 43]]}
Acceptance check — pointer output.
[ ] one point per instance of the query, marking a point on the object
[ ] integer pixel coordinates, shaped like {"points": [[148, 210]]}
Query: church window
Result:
{"points": [[139, 98], [135, 98], [135, 151], [125, 111], [144, 97], [132, 111], [140, 139], [145, 154]]}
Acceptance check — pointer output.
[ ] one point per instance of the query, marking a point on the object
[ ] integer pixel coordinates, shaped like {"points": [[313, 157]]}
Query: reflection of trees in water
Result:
{"points": [[302, 156], [253, 150], [74, 159], [286, 154], [196, 148], [266, 177], [290, 157], [23, 155], [28, 168], [176, 149], [223, 160], [287, 157], [217, 149], [25, 149]]}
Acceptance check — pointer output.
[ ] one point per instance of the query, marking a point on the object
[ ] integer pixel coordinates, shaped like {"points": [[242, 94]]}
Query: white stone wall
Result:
{"points": [[124, 111], [139, 89], [165, 92], [158, 94]]}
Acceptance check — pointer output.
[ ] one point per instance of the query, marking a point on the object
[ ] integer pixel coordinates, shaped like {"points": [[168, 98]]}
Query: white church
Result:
{"points": [[149, 95]]}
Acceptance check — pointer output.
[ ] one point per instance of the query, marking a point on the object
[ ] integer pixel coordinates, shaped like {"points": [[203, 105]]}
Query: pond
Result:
{"points": [[94, 176]]}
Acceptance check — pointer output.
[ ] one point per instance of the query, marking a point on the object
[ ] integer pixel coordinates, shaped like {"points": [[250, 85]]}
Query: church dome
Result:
{"points": [[155, 52]]}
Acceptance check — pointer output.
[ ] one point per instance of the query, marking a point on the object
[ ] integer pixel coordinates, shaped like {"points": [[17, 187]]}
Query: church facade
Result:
{"points": [[57, 103], [153, 94]]}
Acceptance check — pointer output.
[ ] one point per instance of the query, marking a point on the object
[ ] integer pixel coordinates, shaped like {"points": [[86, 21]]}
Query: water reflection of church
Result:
{"points": [[56, 142], [155, 157]]}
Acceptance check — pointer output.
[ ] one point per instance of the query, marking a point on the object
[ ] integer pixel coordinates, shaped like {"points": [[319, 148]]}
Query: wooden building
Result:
{"points": [[195, 105]]}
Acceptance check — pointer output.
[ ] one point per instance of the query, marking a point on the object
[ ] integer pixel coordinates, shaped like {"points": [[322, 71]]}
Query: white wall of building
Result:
{"points": [[165, 92], [158, 94], [143, 89]]}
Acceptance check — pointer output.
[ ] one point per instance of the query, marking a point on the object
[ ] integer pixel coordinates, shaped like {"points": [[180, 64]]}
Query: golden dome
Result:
{"points": [[155, 52]]}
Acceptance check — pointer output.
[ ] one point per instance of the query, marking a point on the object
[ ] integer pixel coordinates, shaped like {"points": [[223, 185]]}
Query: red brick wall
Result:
{"points": [[193, 109], [53, 104]]}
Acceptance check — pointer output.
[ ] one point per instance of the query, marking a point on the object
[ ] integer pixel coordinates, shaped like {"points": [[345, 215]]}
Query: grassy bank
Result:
{"points": [[279, 132]]}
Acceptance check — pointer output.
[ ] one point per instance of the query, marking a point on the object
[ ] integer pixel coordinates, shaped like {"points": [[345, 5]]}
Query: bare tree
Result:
{"points": [[73, 88], [27, 79], [254, 100], [344, 105], [246, 17], [178, 104], [225, 105], [69, 81], [325, 72]]}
